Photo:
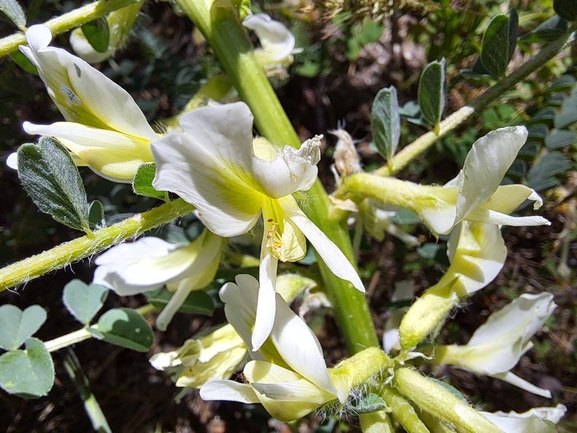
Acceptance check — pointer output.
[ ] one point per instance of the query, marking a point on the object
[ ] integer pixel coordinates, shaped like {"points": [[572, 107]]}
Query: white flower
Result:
{"points": [[497, 345], [212, 357], [104, 127], [474, 195], [214, 166], [288, 375], [151, 263], [277, 41], [477, 253], [536, 420]]}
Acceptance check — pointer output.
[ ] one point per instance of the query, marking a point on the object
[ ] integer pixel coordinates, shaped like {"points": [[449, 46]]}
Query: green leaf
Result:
{"points": [[566, 117], [547, 31], [27, 373], [14, 11], [84, 301], [17, 325], [386, 122], [369, 403], [432, 92], [497, 45], [142, 183], [566, 9], [50, 177], [97, 33], [538, 132], [124, 327], [560, 139], [541, 175], [197, 302], [562, 84], [96, 217], [24, 63]]}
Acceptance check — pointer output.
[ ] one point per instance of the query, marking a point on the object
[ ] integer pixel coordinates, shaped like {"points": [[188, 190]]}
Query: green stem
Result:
{"points": [[66, 22], [80, 248], [413, 150], [403, 411], [220, 25]]}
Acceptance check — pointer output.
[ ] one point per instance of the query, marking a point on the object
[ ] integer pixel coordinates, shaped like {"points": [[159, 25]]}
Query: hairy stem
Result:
{"points": [[69, 21], [220, 24], [80, 248]]}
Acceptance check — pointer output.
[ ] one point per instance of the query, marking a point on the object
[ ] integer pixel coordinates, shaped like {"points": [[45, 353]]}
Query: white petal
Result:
{"points": [[277, 41], [485, 165], [229, 391], [522, 383], [226, 203], [265, 309], [291, 170], [518, 319], [299, 347], [82, 93], [536, 420], [12, 161], [327, 250]]}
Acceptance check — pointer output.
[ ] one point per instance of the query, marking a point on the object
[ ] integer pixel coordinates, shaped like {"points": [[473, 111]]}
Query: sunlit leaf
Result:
{"points": [[14, 11], [17, 325], [27, 373], [142, 183], [432, 92], [97, 33], [124, 327], [84, 301], [386, 122]]}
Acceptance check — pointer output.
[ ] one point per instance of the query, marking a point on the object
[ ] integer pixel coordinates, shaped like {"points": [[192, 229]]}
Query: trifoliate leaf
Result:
{"points": [[50, 177], [386, 122]]}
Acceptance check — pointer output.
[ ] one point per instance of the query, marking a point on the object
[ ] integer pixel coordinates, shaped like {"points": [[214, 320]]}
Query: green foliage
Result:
{"points": [[17, 325], [142, 183], [369, 403], [432, 93], [124, 327], [386, 122], [27, 373], [84, 301], [98, 34], [50, 177], [361, 34], [14, 11], [197, 302]]}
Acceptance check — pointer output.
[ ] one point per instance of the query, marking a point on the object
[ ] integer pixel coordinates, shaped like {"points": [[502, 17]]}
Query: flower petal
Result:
{"points": [[536, 420], [226, 203], [82, 93], [266, 303], [276, 39], [112, 153], [229, 391], [327, 250], [522, 383], [486, 165]]}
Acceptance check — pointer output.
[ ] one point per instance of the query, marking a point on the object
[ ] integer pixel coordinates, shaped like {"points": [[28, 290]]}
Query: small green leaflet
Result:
{"points": [[142, 183], [432, 93], [124, 327], [17, 325], [14, 11], [50, 177], [97, 33], [27, 373], [84, 301], [499, 43], [386, 122]]}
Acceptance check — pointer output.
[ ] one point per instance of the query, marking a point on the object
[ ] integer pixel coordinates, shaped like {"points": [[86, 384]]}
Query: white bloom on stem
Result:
{"points": [[212, 357], [104, 127], [475, 195], [497, 345], [477, 253], [151, 263], [277, 41], [215, 167], [288, 375], [536, 420]]}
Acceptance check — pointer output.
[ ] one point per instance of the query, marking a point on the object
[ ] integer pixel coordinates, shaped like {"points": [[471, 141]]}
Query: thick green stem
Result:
{"points": [[220, 25], [80, 248], [66, 22], [403, 410]]}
